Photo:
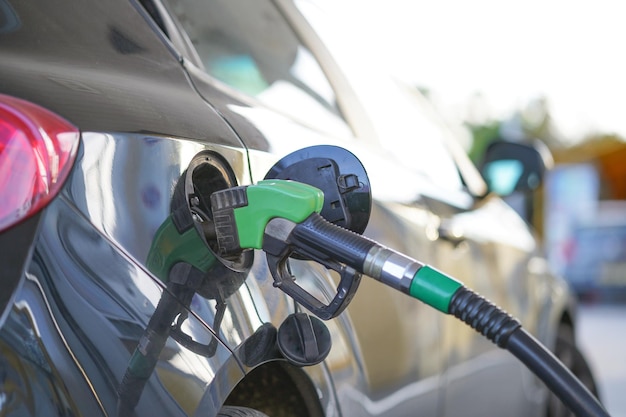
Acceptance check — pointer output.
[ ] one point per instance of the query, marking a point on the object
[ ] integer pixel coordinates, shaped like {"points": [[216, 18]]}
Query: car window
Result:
{"points": [[249, 46]]}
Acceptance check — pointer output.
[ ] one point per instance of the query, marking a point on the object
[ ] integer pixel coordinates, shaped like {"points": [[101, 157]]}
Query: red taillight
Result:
{"points": [[37, 150]]}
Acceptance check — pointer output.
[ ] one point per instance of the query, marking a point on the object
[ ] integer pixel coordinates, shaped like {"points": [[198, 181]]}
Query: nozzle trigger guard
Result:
{"points": [[348, 283]]}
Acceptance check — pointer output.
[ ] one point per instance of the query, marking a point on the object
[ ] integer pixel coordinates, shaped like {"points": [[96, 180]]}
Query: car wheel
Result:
{"points": [[568, 353], [229, 411]]}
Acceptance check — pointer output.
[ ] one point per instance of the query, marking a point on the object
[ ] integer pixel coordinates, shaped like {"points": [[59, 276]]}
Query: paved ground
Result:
{"points": [[602, 337]]}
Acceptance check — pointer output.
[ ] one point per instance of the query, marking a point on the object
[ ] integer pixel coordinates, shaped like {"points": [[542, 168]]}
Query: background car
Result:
{"points": [[596, 255], [180, 99]]}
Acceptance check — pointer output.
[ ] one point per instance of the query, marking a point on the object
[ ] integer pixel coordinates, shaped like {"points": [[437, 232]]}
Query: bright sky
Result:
{"points": [[511, 52]]}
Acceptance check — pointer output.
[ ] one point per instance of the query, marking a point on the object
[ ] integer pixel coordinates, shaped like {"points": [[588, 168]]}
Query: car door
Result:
{"points": [[481, 241], [476, 238], [469, 248]]}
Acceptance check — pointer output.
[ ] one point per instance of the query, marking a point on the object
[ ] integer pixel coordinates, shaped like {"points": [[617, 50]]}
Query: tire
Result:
{"points": [[568, 353], [229, 411]]}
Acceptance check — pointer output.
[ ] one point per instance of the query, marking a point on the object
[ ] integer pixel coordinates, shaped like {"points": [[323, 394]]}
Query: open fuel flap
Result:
{"points": [[341, 177]]}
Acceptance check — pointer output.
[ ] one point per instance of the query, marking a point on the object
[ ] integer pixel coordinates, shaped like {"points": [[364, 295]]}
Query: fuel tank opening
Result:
{"points": [[207, 173]]}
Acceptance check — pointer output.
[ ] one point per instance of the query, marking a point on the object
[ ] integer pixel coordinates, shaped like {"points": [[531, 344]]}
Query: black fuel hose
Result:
{"points": [[556, 376], [507, 333]]}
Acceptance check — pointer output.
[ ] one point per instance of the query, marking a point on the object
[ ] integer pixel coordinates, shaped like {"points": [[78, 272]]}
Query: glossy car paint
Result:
{"points": [[86, 296]]}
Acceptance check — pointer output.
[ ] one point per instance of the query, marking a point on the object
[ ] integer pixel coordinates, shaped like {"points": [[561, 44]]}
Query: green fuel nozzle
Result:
{"points": [[282, 218]]}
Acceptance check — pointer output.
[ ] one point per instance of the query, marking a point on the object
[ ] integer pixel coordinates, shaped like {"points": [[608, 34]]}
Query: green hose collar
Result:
{"points": [[434, 288]]}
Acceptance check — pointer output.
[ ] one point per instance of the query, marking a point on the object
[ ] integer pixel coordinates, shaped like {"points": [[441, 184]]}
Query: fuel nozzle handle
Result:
{"points": [[262, 216], [282, 218]]}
